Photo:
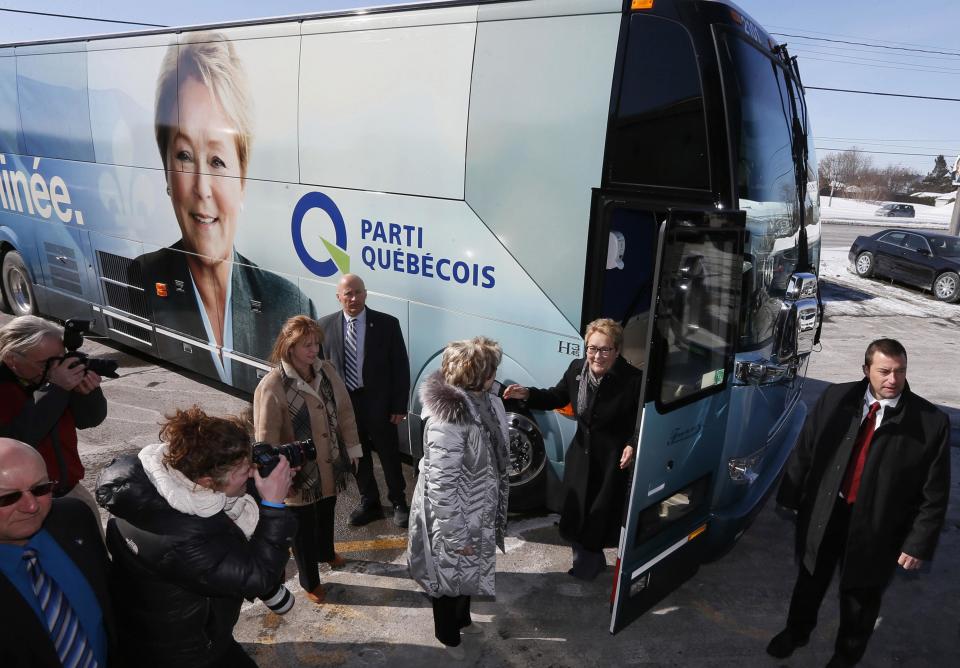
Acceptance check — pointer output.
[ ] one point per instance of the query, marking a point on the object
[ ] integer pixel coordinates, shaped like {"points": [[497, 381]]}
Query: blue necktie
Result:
{"points": [[69, 638], [350, 366]]}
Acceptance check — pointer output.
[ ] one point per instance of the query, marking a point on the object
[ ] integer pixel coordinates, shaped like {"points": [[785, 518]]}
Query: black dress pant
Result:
{"points": [[388, 451], [450, 614], [313, 541], [234, 657], [859, 607]]}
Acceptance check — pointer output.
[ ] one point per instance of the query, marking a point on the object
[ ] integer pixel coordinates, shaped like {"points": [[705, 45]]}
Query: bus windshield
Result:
{"points": [[760, 128]]}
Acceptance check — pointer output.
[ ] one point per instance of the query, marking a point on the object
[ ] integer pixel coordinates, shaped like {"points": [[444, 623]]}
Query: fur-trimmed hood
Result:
{"points": [[445, 402]]}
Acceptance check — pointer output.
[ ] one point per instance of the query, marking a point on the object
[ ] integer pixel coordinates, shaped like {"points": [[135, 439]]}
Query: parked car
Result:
{"points": [[924, 259], [896, 211]]}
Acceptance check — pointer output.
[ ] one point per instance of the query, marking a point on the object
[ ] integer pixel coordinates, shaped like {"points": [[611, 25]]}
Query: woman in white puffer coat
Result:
{"points": [[459, 512]]}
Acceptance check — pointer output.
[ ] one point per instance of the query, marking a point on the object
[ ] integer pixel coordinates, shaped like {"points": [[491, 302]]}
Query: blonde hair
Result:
{"points": [[293, 331], [607, 327], [469, 363], [210, 58], [25, 332]]}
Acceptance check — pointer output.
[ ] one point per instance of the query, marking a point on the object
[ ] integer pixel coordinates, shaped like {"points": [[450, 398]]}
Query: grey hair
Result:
{"points": [[468, 364], [25, 332]]}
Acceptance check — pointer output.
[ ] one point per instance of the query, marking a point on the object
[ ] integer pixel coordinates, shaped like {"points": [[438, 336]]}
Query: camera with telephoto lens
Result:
{"points": [[279, 600], [266, 457], [73, 331]]}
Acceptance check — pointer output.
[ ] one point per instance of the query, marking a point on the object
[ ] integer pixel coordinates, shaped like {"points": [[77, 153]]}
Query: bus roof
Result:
{"points": [[581, 6]]}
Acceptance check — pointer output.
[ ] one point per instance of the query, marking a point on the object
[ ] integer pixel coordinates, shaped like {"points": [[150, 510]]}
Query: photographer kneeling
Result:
{"points": [[189, 544], [45, 398]]}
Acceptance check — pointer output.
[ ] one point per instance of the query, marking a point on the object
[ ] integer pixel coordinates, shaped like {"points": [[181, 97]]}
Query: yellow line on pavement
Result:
{"points": [[392, 543]]}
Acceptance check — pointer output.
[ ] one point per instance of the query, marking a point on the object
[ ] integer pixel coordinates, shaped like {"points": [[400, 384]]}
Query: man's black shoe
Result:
{"points": [[362, 516], [783, 644], [401, 515]]}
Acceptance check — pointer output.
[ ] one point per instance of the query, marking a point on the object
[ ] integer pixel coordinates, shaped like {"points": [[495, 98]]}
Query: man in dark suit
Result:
{"points": [[869, 479], [368, 351], [53, 571]]}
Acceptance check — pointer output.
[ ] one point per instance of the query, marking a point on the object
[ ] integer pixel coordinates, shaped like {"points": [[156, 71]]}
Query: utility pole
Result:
{"points": [[955, 219]]}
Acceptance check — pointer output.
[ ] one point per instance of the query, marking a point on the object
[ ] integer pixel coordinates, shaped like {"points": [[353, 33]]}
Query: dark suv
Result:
{"points": [[895, 211]]}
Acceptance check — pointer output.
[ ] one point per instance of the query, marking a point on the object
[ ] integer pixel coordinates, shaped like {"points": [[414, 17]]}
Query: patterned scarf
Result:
{"points": [[307, 481], [587, 390]]}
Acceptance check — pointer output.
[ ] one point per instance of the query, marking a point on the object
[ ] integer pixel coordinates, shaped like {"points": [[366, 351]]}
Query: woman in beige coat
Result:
{"points": [[303, 397]]}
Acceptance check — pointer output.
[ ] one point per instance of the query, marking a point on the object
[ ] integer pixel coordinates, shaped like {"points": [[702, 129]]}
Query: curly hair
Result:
{"points": [[200, 445], [468, 364]]}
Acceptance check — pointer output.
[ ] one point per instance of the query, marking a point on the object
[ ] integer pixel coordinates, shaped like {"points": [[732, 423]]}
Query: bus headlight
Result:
{"points": [[742, 470]]}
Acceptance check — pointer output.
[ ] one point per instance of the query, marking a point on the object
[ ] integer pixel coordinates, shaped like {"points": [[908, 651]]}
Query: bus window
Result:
{"points": [[696, 312], [760, 132], [659, 135]]}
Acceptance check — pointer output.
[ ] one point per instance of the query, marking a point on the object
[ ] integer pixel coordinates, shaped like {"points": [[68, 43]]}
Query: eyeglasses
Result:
{"points": [[599, 352], [42, 489]]}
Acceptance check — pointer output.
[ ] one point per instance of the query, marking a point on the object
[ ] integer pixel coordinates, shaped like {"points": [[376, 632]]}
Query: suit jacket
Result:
{"points": [[902, 498], [260, 302], [26, 641], [386, 370]]}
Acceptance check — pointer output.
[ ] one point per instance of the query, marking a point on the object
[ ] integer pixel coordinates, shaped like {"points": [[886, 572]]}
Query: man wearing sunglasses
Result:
{"points": [[44, 399], [53, 571]]}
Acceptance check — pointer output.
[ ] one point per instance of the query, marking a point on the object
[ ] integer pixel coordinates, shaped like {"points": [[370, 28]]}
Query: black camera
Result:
{"points": [[73, 331], [266, 457]]}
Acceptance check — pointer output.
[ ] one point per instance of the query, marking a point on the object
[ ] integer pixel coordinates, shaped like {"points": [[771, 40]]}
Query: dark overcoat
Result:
{"points": [[26, 642], [386, 371], [902, 499], [594, 485]]}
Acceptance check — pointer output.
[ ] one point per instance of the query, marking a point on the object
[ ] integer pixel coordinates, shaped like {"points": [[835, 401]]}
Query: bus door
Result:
{"points": [[691, 334]]}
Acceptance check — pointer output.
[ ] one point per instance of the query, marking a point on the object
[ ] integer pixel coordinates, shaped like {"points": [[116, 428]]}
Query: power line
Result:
{"points": [[858, 37], [857, 150], [850, 61], [81, 18], [872, 46], [873, 92]]}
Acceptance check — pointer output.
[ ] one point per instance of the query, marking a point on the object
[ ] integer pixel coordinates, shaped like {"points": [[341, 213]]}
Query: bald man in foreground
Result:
{"points": [[53, 571]]}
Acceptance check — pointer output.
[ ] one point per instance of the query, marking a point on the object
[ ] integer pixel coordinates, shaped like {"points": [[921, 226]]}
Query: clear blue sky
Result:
{"points": [[883, 124]]}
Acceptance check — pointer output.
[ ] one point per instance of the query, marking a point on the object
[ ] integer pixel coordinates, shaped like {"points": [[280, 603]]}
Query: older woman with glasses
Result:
{"points": [[604, 392]]}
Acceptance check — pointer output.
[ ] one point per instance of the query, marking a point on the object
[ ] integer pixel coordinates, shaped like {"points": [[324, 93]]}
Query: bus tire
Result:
{"points": [[17, 285], [527, 467], [946, 287]]}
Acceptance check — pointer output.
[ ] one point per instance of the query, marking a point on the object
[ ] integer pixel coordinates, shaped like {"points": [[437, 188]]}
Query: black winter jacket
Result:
{"points": [[179, 580]]}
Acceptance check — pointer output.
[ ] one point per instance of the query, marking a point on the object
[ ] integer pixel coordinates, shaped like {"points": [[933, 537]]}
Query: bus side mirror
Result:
{"points": [[797, 323]]}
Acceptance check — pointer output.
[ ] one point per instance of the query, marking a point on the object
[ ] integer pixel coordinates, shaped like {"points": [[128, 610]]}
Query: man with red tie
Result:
{"points": [[869, 479]]}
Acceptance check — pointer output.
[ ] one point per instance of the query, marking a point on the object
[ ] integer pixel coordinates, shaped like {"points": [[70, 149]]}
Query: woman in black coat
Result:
{"points": [[189, 544], [604, 391]]}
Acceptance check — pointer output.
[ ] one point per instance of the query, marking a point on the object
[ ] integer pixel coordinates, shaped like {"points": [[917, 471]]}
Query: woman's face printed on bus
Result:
{"points": [[206, 187], [601, 353]]}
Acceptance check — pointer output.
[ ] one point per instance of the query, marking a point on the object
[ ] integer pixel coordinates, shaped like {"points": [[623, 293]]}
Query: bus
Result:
{"points": [[508, 168]]}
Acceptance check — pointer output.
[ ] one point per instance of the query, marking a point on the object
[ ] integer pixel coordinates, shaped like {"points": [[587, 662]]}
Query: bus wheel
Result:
{"points": [[17, 285], [528, 462]]}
